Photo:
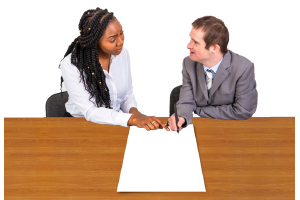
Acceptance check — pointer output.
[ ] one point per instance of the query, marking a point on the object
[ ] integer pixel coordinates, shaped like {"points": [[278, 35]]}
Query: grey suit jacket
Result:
{"points": [[232, 95]]}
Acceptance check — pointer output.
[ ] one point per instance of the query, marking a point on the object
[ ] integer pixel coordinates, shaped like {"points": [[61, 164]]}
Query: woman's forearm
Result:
{"points": [[135, 111]]}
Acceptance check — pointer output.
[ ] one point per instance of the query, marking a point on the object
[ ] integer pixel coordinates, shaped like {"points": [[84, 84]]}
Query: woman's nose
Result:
{"points": [[120, 42]]}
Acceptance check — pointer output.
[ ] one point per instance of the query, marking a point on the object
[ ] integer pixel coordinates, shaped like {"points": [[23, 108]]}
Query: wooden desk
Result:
{"points": [[70, 158]]}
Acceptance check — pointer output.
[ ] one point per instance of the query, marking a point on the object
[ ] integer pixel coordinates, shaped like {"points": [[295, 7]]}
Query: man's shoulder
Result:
{"points": [[239, 61], [187, 62]]}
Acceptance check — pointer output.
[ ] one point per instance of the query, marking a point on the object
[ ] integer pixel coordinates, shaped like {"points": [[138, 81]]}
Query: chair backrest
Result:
{"points": [[55, 104], [174, 97]]}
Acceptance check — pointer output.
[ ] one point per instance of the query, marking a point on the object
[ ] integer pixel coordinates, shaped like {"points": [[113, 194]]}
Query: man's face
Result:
{"points": [[197, 45]]}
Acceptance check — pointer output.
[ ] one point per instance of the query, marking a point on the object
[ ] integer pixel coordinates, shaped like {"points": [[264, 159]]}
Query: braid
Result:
{"points": [[85, 56]]}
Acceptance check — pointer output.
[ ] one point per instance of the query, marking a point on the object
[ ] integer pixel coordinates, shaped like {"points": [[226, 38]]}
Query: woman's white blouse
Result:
{"points": [[119, 83]]}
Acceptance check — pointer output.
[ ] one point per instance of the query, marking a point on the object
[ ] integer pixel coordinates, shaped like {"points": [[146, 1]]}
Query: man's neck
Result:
{"points": [[213, 61]]}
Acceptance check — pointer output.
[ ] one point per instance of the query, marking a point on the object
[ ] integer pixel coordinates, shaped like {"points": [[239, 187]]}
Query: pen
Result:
{"points": [[176, 117]]}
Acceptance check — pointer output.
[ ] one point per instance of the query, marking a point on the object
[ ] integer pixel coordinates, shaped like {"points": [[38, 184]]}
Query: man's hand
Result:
{"points": [[172, 123]]}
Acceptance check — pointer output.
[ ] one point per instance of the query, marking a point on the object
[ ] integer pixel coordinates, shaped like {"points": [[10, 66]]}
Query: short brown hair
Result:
{"points": [[215, 32]]}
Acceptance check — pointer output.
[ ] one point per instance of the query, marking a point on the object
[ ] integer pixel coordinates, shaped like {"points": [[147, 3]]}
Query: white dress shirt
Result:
{"points": [[119, 83]]}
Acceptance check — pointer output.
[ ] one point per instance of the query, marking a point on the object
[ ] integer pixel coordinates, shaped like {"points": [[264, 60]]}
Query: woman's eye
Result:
{"points": [[112, 41]]}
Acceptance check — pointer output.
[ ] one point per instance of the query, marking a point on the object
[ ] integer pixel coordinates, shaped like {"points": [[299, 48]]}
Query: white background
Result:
{"points": [[36, 34]]}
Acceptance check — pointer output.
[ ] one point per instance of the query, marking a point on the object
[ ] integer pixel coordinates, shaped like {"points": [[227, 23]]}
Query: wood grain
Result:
{"points": [[71, 158]]}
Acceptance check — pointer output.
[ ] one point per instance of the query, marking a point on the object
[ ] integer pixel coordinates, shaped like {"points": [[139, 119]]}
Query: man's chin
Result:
{"points": [[192, 57]]}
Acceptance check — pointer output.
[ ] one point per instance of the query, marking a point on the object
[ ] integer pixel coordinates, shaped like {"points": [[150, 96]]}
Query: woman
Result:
{"points": [[96, 72]]}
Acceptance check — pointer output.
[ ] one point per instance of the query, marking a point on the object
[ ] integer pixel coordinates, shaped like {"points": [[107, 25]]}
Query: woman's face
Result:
{"points": [[112, 39]]}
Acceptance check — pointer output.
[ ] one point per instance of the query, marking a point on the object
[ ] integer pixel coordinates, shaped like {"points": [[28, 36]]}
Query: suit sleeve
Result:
{"points": [[245, 101], [186, 104]]}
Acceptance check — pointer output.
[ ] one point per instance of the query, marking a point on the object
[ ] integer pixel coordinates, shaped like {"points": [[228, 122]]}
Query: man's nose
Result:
{"points": [[189, 46]]}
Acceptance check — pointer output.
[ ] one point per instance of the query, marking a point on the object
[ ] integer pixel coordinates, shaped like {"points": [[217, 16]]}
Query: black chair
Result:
{"points": [[55, 104], [174, 97]]}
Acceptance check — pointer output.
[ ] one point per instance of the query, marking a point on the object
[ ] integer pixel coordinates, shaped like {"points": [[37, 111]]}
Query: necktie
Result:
{"points": [[209, 74]]}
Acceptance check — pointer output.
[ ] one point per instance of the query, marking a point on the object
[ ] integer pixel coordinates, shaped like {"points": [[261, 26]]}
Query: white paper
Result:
{"points": [[161, 161]]}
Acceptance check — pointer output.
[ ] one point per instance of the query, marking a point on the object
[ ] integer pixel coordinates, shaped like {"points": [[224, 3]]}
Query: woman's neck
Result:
{"points": [[102, 55], [104, 59]]}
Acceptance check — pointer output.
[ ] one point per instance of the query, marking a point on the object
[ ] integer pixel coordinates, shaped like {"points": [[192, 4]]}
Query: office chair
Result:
{"points": [[55, 104], [174, 97]]}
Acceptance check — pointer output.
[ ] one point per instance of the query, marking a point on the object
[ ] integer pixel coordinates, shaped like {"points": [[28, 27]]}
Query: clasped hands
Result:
{"points": [[153, 123]]}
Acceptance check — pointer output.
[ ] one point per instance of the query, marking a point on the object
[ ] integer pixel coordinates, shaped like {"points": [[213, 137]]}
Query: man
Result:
{"points": [[217, 83]]}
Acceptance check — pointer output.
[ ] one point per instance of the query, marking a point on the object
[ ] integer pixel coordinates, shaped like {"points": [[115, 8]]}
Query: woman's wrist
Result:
{"points": [[132, 120], [135, 111]]}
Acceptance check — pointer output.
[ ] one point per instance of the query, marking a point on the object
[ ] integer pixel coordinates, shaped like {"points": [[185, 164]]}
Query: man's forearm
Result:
{"points": [[231, 112]]}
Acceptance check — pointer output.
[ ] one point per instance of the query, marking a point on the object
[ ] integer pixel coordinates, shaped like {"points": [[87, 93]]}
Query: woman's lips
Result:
{"points": [[119, 50]]}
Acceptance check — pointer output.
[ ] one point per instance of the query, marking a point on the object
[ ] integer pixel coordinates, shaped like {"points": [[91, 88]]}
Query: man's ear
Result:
{"points": [[215, 48]]}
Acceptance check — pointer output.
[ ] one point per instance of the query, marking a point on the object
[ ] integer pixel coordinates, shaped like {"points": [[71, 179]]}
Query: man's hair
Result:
{"points": [[215, 32], [85, 56]]}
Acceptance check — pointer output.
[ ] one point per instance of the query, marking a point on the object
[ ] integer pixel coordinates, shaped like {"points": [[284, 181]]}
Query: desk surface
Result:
{"points": [[70, 158]]}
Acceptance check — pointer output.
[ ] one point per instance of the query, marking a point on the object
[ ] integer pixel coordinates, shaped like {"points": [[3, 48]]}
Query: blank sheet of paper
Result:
{"points": [[161, 161]]}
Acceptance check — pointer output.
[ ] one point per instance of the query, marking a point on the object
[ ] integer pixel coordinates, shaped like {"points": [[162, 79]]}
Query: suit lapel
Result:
{"points": [[222, 73], [201, 79]]}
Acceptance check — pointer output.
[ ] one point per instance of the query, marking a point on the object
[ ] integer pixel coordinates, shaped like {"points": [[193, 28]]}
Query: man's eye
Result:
{"points": [[122, 33], [195, 42]]}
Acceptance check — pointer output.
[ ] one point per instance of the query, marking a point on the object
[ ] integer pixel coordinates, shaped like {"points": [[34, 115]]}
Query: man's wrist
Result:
{"points": [[184, 124]]}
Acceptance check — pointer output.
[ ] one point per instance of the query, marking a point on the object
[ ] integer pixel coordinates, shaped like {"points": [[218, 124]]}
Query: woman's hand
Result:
{"points": [[143, 121], [147, 122]]}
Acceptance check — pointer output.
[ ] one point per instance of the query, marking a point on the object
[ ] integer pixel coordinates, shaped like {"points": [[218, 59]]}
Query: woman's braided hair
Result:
{"points": [[85, 56]]}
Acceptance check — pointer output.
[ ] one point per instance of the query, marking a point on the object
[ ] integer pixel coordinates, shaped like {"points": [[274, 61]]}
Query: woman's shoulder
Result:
{"points": [[124, 52], [66, 61], [125, 56]]}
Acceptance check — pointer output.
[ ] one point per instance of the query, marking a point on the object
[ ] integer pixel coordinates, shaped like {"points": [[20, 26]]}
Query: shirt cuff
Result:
{"points": [[121, 118]]}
